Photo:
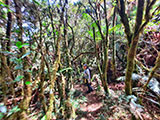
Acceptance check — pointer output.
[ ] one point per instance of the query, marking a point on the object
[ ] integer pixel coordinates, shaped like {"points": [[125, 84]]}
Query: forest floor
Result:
{"points": [[97, 106]]}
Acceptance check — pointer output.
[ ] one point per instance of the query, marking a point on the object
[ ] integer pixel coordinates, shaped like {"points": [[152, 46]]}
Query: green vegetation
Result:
{"points": [[45, 43]]}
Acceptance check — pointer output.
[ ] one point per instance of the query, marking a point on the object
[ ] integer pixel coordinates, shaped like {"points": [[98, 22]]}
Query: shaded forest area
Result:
{"points": [[45, 43]]}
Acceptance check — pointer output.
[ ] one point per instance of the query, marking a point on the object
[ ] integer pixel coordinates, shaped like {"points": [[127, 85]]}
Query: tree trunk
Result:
{"points": [[133, 37], [106, 47], [133, 48], [6, 75], [55, 69], [24, 105], [9, 26], [41, 86], [114, 48], [130, 65]]}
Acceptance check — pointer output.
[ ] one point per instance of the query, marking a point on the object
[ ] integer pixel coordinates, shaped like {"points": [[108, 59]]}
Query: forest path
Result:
{"points": [[97, 106], [92, 108]]}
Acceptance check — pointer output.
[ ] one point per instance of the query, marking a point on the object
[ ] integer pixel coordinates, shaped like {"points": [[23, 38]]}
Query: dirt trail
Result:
{"points": [[90, 109], [97, 106]]}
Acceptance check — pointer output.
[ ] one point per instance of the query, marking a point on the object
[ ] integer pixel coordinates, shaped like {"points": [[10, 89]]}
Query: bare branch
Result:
{"points": [[124, 18], [139, 16]]}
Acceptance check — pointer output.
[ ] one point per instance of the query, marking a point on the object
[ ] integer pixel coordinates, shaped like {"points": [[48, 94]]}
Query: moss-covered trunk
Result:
{"points": [[24, 105], [133, 37], [41, 86], [113, 47], [53, 78], [104, 70], [3, 79], [130, 65], [6, 76], [133, 48], [105, 48]]}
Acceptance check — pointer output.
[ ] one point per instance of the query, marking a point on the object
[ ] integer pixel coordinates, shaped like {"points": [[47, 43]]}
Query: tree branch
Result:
{"points": [[147, 20], [83, 53], [139, 16], [145, 68], [124, 19]]}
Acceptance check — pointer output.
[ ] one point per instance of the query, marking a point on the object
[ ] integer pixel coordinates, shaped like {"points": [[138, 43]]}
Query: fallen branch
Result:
{"points": [[145, 68], [153, 70]]}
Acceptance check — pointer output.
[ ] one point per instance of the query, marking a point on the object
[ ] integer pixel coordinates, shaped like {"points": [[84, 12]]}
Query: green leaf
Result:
{"points": [[36, 2], [25, 44], [9, 10], [30, 71], [28, 83], [18, 44], [19, 60], [94, 24], [44, 118], [17, 30], [102, 117], [85, 16], [45, 34], [1, 3], [44, 23], [65, 69], [1, 115], [4, 16], [115, 28], [13, 110], [57, 33], [98, 38], [90, 33], [18, 78]]}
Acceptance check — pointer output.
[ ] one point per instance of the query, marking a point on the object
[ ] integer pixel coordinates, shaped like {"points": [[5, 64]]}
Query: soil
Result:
{"points": [[99, 106]]}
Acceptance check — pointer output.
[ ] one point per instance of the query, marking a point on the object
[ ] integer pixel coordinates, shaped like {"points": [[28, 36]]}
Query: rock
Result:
{"points": [[153, 85], [135, 78]]}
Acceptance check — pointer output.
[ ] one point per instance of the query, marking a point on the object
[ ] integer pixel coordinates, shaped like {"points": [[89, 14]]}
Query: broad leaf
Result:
{"points": [[28, 83], [18, 44]]}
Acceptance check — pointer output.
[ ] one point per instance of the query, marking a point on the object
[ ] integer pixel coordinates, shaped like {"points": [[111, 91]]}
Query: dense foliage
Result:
{"points": [[45, 43]]}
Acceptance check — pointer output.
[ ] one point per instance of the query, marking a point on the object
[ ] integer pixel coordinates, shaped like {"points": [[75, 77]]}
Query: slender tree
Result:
{"points": [[133, 36]]}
